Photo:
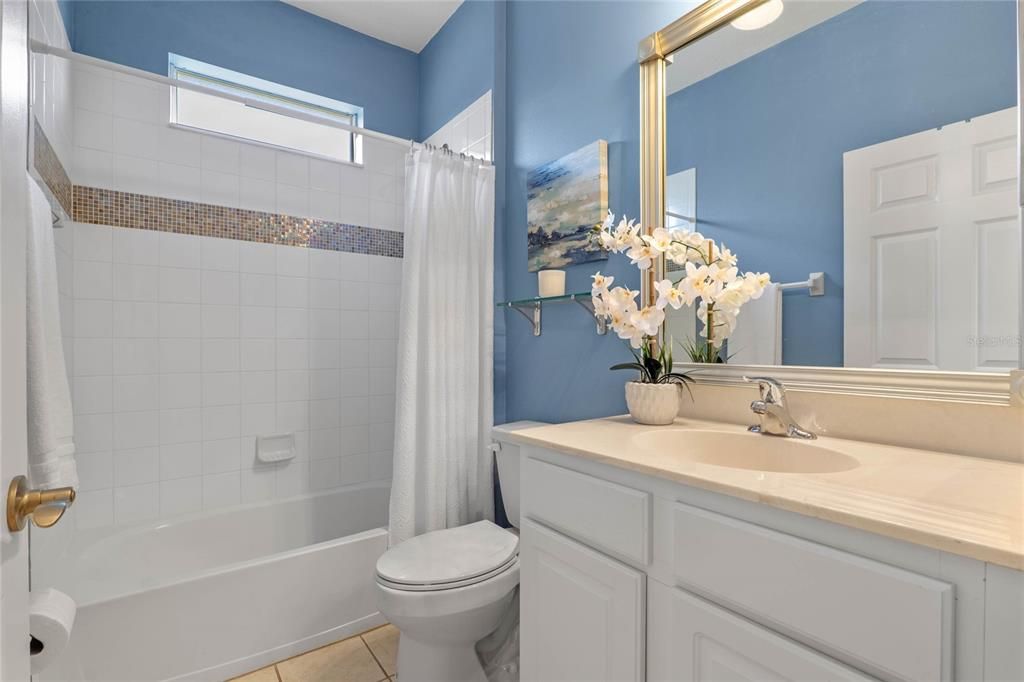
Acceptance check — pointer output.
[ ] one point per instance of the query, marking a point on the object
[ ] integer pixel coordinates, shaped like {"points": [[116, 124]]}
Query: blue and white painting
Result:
{"points": [[565, 199]]}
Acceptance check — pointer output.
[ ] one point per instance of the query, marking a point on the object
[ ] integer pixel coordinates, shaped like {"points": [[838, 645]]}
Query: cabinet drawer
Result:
{"points": [[878, 617], [608, 516], [692, 639]]}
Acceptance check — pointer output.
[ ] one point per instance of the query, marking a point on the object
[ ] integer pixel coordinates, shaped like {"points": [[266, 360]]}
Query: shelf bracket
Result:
{"points": [[533, 316], [588, 305]]}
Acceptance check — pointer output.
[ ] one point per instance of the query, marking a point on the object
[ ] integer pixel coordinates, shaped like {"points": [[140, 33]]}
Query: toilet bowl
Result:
{"points": [[448, 589]]}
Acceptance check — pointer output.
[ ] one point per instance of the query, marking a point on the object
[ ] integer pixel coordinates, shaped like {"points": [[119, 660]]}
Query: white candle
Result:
{"points": [[551, 283]]}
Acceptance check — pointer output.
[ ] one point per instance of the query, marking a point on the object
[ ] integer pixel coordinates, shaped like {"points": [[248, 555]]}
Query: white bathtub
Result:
{"points": [[214, 595]]}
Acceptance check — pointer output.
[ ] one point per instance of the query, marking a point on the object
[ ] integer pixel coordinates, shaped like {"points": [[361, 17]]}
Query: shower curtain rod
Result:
{"points": [[42, 48]]}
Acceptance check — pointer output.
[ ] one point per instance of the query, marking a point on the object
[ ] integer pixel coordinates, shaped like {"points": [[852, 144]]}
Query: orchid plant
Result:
{"points": [[710, 278]]}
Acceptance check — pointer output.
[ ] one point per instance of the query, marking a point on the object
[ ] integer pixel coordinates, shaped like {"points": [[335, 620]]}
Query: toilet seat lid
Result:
{"points": [[448, 556]]}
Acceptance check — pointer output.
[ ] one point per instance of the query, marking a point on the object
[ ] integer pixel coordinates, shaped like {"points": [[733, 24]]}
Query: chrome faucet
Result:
{"points": [[774, 415]]}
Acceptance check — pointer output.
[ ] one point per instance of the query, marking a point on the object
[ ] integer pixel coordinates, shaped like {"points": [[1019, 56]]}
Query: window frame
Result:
{"points": [[255, 89]]}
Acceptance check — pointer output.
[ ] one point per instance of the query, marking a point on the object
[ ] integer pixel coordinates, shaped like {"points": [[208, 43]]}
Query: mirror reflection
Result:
{"points": [[864, 154]]}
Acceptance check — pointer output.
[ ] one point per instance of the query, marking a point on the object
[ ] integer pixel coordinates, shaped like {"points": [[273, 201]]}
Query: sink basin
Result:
{"points": [[746, 451]]}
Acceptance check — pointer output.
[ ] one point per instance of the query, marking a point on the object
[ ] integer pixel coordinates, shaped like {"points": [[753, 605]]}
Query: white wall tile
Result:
{"points": [[179, 321], [135, 392], [178, 285], [136, 138], [141, 100], [218, 154], [92, 168], [220, 287], [181, 460], [258, 258], [137, 247], [324, 175], [256, 194], [179, 147], [220, 321], [324, 205], [258, 162], [93, 90], [184, 348], [92, 357], [179, 181], [178, 391], [136, 356], [179, 250], [133, 504], [180, 354], [292, 201], [219, 188], [93, 395], [135, 174], [94, 130], [292, 169], [95, 470], [181, 496], [133, 467]]}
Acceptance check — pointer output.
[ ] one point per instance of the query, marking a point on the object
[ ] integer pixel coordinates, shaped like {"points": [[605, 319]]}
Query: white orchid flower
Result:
{"points": [[668, 294], [642, 256], [660, 240], [648, 320], [601, 282]]}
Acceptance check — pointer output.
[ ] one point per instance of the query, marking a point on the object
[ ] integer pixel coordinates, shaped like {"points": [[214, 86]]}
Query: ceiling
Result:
{"points": [[406, 23], [728, 46]]}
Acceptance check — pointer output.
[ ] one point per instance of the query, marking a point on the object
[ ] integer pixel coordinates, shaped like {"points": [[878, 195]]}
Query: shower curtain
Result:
{"points": [[444, 394]]}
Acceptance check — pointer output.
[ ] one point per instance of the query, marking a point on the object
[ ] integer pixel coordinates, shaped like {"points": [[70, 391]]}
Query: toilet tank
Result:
{"points": [[506, 453]]}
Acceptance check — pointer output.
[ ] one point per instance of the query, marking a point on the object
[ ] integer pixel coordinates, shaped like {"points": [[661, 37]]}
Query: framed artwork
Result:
{"points": [[565, 199]]}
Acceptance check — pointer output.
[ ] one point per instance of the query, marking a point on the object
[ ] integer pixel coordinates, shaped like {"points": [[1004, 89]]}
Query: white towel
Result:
{"points": [[50, 425], [757, 339]]}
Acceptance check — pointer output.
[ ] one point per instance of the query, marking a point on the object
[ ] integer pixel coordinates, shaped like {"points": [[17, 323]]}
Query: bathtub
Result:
{"points": [[214, 595]]}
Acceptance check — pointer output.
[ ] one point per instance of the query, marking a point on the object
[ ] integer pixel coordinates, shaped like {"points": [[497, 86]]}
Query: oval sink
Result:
{"points": [[746, 451]]}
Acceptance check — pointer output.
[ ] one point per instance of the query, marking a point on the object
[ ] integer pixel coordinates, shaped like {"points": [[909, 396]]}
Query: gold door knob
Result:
{"points": [[44, 507]]}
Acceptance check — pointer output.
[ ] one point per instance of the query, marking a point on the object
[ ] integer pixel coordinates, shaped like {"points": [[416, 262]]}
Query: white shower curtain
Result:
{"points": [[443, 412]]}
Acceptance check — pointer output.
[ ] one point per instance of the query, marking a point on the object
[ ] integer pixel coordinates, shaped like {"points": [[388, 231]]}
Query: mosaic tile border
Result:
{"points": [[50, 169], [148, 212]]}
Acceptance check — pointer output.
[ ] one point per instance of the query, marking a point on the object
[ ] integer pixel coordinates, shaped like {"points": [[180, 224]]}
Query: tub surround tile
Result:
{"points": [[220, 217]]}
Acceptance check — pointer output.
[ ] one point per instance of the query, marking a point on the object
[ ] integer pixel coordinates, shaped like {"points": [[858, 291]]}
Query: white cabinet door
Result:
{"points": [[582, 613], [932, 249], [692, 640]]}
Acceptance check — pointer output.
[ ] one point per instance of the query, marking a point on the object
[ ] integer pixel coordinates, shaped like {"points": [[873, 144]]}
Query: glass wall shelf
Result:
{"points": [[531, 308]]}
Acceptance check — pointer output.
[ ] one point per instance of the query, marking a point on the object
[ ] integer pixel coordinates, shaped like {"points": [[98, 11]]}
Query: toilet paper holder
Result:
{"points": [[44, 506]]}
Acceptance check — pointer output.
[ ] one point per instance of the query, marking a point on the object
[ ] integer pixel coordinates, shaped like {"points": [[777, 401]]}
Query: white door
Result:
{"points": [[932, 249], [692, 640], [581, 613], [14, 637]]}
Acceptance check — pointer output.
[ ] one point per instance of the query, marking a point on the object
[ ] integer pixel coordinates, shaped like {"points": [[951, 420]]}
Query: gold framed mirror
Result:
{"points": [[955, 337]]}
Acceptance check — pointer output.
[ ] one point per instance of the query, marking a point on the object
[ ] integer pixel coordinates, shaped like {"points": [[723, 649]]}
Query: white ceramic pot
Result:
{"points": [[655, 404]]}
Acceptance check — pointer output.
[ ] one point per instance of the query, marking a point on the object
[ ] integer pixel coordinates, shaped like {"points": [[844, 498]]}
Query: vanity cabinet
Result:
{"points": [[628, 576], [582, 613], [692, 639]]}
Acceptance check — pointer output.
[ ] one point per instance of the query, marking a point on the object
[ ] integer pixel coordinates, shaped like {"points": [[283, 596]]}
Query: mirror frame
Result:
{"points": [[963, 387]]}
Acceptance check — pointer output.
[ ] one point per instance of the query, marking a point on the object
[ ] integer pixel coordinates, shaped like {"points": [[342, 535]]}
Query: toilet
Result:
{"points": [[448, 589]]}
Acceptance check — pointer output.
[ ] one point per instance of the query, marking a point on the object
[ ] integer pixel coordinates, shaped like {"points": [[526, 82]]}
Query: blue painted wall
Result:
{"points": [[465, 59], [270, 40], [66, 8], [774, 129], [572, 79], [458, 64]]}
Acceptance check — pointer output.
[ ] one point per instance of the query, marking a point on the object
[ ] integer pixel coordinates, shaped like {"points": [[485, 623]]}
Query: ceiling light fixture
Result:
{"points": [[759, 17]]}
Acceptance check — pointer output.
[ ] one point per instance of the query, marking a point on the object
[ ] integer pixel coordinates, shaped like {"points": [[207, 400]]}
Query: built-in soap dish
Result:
{"points": [[276, 448]]}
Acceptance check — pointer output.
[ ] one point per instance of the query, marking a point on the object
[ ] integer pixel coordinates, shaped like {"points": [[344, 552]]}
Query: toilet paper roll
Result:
{"points": [[50, 619]]}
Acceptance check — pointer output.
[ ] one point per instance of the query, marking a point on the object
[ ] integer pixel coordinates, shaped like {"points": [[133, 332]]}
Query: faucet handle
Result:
{"points": [[772, 390]]}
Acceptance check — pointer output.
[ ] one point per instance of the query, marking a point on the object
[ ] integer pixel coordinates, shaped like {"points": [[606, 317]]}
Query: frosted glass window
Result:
{"points": [[249, 121]]}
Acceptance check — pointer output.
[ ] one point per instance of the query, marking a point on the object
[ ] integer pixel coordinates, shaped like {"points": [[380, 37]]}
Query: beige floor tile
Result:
{"points": [[383, 642], [346, 661], [261, 675]]}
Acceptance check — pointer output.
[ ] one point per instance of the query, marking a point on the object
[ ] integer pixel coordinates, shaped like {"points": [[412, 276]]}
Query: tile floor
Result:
{"points": [[369, 657]]}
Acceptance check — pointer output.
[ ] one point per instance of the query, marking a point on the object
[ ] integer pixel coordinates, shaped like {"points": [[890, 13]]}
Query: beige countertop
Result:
{"points": [[962, 505]]}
